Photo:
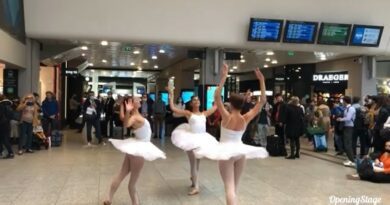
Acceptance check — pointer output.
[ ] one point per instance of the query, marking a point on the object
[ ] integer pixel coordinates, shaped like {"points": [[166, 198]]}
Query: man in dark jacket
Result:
{"points": [[294, 120], [109, 113], [91, 112], [50, 114], [5, 126], [278, 121]]}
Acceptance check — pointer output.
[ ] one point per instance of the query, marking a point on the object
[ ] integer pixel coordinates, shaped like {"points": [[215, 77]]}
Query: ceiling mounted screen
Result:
{"points": [[268, 30], [300, 32], [363, 35], [334, 34]]}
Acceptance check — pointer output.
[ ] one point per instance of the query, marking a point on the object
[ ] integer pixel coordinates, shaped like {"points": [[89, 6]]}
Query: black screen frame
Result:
{"points": [[366, 26], [281, 21], [319, 41], [288, 22]]}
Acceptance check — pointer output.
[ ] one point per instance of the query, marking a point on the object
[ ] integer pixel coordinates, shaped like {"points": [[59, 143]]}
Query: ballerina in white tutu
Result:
{"points": [[192, 135], [231, 152], [136, 150]]}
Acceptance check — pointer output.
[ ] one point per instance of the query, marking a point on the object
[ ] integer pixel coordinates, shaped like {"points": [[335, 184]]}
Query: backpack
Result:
{"points": [[5, 113], [360, 119]]}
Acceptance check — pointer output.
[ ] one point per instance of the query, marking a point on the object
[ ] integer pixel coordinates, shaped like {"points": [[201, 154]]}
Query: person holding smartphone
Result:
{"points": [[29, 118]]}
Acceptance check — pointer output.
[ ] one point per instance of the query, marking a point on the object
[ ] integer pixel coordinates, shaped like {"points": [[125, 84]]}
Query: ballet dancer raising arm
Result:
{"points": [[136, 150], [192, 135], [231, 152]]}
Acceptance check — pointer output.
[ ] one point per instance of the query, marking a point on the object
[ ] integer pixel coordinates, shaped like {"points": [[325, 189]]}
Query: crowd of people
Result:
{"points": [[28, 122]]}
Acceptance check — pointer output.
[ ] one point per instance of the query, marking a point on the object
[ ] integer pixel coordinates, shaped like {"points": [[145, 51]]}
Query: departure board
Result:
{"points": [[334, 34], [366, 35], [265, 30], [300, 32]]}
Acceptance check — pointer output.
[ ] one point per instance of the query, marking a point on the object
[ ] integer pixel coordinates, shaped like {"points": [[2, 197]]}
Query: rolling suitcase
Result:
{"points": [[320, 144], [117, 133], [56, 138], [273, 146]]}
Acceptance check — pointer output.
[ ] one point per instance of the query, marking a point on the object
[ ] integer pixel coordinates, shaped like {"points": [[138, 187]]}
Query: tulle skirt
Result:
{"points": [[228, 150], [139, 148], [183, 138]]}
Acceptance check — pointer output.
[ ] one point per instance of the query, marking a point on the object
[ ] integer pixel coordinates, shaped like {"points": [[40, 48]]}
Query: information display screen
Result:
{"points": [[152, 96], [265, 30], [334, 34], [164, 97], [186, 95], [300, 32], [366, 35], [210, 96]]}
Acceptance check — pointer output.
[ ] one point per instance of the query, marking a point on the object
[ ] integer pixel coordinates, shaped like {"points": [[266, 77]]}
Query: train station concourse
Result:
{"points": [[194, 102]]}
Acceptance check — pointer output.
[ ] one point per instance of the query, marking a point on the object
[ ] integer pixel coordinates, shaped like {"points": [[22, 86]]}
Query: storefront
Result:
{"points": [[330, 85]]}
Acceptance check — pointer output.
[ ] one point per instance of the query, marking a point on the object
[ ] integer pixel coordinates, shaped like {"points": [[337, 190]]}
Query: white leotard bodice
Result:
{"points": [[144, 132], [228, 135], [197, 123]]}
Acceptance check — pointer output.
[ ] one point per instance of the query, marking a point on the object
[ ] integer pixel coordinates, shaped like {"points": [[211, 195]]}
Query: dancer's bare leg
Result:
{"points": [[226, 169], [239, 165], [194, 166], [136, 164], [118, 179]]}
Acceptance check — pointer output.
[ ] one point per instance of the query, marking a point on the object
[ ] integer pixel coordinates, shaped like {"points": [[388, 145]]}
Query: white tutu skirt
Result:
{"points": [[183, 138], [228, 150], [139, 148]]}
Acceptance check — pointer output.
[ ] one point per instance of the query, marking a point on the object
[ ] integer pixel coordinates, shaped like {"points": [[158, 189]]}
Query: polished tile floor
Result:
{"points": [[72, 174]]}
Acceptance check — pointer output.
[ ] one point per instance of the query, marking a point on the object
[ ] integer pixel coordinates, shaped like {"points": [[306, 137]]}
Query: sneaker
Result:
{"points": [[20, 152], [89, 144], [29, 151], [104, 144], [349, 164]]}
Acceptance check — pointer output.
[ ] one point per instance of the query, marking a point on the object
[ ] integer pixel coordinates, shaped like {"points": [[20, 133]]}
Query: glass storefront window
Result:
{"points": [[383, 86]]}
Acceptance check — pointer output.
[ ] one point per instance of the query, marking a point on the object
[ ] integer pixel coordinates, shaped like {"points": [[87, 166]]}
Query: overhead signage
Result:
{"points": [[330, 78], [10, 79], [71, 71]]}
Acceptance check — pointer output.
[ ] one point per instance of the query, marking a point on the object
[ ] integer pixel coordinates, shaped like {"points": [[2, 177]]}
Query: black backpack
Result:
{"points": [[360, 119], [5, 113]]}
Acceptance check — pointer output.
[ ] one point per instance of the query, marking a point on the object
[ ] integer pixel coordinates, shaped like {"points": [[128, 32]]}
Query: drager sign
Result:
{"points": [[330, 78]]}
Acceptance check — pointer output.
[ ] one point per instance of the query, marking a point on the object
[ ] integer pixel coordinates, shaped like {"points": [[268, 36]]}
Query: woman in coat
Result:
{"points": [[294, 120]]}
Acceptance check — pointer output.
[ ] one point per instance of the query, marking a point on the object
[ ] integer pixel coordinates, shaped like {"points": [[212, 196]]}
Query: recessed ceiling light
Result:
{"points": [[132, 63], [104, 61], [154, 57], [139, 68], [265, 66], [323, 58], [235, 67], [299, 77], [103, 43], [84, 48], [270, 53], [90, 64], [145, 61], [231, 70], [92, 71], [242, 56], [242, 61], [156, 66], [161, 51], [268, 59], [297, 71], [83, 54], [136, 52], [274, 62]]}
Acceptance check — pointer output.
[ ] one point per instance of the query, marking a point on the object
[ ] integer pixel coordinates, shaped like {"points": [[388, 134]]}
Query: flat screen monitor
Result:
{"points": [[152, 96], [164, 96], [334, 34], [363, 35], [210, 96], [265, 30], [300, 32], [186, 95]]}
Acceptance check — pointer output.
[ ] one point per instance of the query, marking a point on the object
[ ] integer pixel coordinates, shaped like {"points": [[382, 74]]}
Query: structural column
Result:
{"points": [[29, 77]]}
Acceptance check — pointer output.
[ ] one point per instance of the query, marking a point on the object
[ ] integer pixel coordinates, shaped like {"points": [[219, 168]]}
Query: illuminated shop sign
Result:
{"points": [[330, 78], [71, 71]]}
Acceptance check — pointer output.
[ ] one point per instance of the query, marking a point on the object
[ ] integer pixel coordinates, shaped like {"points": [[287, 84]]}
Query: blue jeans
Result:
{"points": [[25, 138]]}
